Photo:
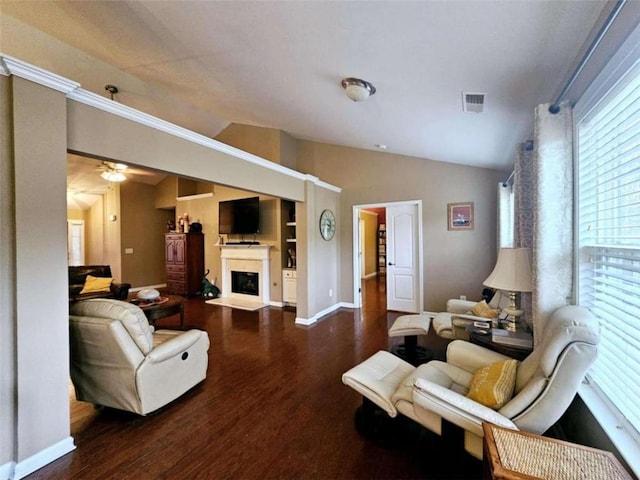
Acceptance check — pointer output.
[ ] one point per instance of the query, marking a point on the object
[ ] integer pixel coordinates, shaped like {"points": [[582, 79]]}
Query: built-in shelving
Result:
{"points": [[382, 248], [289, 282]]}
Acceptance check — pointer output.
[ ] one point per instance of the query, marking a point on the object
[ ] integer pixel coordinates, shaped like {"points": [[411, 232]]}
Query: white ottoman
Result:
{"points": [[409, 327]]}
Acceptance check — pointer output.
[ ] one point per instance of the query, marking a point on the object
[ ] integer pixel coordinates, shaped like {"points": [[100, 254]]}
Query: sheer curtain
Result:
{"points": [[544, 212], [506, 215]]}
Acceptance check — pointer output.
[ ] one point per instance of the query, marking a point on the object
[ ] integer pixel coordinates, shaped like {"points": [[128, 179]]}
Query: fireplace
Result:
{"points": [[245, 276], [246, 283]]}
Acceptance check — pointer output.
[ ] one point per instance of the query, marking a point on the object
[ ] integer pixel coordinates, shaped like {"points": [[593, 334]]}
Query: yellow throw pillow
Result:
{"points": [[96, 284], [493, 385], [481, 309]]}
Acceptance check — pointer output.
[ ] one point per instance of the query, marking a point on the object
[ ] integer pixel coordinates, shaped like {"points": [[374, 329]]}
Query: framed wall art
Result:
{"points": [[460, 216]]}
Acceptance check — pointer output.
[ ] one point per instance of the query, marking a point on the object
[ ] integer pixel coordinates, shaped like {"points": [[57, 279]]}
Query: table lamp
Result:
{"points": [[512, 274]]}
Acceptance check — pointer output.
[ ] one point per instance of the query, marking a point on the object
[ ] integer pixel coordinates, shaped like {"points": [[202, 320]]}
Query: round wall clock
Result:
{"points": [[327, 224]]}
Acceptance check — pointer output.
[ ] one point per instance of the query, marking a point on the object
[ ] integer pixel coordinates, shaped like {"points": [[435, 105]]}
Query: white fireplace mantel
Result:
{"points": [[246, 258]]}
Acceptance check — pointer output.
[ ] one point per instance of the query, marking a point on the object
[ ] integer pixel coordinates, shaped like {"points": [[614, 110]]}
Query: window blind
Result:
{"points": [[608, 227]]}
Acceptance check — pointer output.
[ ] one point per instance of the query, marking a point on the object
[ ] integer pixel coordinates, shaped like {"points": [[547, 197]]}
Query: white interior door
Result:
{"points": [[361, 250], [403, 280], [75, 242]]}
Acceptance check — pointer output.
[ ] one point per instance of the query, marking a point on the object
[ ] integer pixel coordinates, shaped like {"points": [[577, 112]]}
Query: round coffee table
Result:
{"points": [[173, 306]]}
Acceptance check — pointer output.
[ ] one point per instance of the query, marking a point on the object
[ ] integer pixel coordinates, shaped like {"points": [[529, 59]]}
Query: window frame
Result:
{"points": [[626, 60]]}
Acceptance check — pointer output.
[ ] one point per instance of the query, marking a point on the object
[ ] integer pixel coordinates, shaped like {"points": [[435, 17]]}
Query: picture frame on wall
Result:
{"points": [[460, 216]]}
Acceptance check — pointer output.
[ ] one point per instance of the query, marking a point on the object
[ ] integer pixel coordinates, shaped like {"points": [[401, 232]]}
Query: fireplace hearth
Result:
{"points": [[246, 283]]}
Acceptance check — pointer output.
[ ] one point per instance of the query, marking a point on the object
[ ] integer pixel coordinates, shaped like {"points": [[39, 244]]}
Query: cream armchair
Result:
{"points": [[119, 361], [545, 382], [453, 323]]}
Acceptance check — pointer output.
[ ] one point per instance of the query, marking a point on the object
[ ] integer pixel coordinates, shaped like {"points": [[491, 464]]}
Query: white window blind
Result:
{"points": [[608, 227]]}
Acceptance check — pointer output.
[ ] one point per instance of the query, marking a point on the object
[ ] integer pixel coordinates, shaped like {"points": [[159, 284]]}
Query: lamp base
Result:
{"points": [[513, 312]]}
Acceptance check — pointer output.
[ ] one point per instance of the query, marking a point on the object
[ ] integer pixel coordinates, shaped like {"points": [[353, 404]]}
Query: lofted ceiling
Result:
{"points": [[85, 186], [204, 64]]}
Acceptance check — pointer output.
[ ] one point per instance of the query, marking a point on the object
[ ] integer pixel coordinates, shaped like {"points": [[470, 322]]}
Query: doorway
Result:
{"points": [[75, 242], [403, 255]]}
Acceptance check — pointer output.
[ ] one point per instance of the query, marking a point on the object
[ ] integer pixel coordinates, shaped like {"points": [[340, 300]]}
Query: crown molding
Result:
{"points": [[115, 108], [13, 66], [320, 183]]}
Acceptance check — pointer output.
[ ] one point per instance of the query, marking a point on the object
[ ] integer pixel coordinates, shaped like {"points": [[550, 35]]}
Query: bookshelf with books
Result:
{"points": [[382, 248]]}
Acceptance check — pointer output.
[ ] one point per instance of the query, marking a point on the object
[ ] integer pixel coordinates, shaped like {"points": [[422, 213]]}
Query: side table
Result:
{"points": [[513, 454], [173, 306], [484, 340]]}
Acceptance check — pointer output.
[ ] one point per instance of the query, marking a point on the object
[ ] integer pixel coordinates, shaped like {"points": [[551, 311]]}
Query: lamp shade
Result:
{"points": [[512, 272]]}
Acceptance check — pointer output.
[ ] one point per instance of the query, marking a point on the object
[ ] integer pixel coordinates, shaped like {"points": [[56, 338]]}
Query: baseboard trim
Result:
{"points": [[317, 316], [43, 457], [6, 471]]}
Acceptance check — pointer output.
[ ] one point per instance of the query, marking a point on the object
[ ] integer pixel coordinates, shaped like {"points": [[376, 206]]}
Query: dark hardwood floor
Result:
{"points": [[273, 406]]}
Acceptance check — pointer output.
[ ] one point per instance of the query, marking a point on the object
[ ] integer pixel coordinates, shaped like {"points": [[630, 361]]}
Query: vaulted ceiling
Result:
{"points": [[204, 64]]}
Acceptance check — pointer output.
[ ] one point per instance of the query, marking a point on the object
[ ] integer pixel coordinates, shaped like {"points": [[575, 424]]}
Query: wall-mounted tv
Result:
{"points": [[239, 217]]}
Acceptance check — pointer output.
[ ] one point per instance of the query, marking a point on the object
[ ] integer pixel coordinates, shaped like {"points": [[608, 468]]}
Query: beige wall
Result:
{"points": [[206, 211], [98, 133], [94, 234], [263, 142], [317, 259], [76, 214], [7, 280], [143, 227], [41, 338], [455, 263]]}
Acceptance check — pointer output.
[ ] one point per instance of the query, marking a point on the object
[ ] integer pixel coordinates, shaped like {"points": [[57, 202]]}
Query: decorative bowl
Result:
{"points": [[148, 294]]}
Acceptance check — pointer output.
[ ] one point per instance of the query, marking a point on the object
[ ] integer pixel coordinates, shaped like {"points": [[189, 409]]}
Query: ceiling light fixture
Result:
{"points": [[113, 176], [357, 89], [113, 172], [112, 89]]}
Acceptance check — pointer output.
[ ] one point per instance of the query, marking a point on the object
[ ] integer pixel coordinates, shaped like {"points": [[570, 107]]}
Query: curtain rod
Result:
{"points": [[506, 182], [555, 107]]}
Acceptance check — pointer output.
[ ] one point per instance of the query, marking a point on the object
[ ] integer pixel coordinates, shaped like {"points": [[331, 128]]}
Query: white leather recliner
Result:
{"points": [[546, 381], [119, 361], [453, 323]]}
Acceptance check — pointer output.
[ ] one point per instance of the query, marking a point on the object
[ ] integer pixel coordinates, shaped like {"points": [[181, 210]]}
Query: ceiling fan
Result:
{"points": [[113, 172], [119, 172]]}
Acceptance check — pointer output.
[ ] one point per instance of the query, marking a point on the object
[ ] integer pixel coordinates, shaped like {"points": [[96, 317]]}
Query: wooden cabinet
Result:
{"points": [[184, 257], [289, 285]]}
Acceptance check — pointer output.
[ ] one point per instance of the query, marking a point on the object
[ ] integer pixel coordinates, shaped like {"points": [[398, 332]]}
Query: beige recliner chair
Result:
{"points": [[119, 361], [453, 323], [545, 382]]}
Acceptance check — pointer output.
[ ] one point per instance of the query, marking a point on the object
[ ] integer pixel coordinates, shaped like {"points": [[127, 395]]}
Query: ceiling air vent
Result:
{"points": [[473, 102]]}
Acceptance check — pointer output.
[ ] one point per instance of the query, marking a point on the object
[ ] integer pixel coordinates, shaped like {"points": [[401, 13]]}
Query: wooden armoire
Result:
{"points": [[184, 256]]}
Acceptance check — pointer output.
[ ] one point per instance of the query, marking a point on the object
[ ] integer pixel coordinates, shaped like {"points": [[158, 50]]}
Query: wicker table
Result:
{"points": [[174, 305], [512, 454]]}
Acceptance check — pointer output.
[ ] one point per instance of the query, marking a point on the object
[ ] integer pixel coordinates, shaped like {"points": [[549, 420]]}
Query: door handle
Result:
{"points": [[391, 264]]}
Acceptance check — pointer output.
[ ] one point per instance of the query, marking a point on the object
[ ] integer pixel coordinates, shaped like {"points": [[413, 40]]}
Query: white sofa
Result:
{"points": [[545, 382], [119, 361]]}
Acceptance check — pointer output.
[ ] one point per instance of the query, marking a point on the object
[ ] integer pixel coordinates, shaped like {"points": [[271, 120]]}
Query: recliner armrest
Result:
{"points": [[456, 408], [174, 346]]}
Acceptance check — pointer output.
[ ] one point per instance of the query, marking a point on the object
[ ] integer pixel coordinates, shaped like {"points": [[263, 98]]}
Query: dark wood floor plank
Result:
{"points": [[272, 407]]}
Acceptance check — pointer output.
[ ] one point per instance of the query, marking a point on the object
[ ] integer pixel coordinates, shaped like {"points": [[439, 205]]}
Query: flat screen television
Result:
{"points": [[239, 217]]}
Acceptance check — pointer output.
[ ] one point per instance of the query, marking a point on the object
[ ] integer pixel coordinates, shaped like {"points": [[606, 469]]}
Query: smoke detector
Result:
{"points": [[473, 102]]}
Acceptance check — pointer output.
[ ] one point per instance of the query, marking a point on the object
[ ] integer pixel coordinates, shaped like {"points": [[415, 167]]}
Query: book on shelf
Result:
{"points": [[514, 339]]}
